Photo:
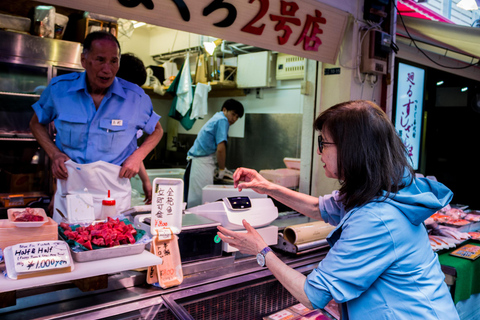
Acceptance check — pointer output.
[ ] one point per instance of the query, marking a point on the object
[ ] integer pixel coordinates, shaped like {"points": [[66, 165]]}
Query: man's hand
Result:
{"points": [[59, 170], [147, 189], [130, 167], [220, 174]]}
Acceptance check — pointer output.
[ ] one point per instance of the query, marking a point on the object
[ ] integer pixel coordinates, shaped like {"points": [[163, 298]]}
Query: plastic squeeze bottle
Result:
{"points": [[108, 207]]}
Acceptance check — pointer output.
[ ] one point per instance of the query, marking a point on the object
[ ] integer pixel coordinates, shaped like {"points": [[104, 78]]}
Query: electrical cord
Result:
{"points": [[421, 51]]}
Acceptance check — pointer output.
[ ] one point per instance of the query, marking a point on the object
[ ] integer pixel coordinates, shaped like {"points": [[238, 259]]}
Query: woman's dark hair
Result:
{"points": [[132, 69], [98, 35], [371, 157], [232, 104]]}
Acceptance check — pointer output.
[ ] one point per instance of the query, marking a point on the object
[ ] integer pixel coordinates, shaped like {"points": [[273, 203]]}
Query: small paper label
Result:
{"points": [[164, 234], [117, 123]]}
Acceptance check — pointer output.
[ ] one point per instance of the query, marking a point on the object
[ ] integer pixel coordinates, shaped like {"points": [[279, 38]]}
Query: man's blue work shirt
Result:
{"points": [[86, 134], [210, 136]]}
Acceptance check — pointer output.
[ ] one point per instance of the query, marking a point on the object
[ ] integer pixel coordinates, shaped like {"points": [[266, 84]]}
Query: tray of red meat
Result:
{"points": [[27, 217], [102, 240], [475, 235]]}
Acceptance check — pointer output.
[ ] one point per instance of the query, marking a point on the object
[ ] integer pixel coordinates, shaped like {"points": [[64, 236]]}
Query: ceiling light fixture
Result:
{"points": [[137, 24], [469, 5], [464, 89], [439, 83], [211, 45]]}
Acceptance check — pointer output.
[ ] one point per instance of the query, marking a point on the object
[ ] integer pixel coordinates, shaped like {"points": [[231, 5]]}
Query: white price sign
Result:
{"points": [[40, 256]]}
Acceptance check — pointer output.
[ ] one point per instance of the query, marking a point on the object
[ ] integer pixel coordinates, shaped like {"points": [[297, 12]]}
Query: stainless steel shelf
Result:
{"points": [[19, 94]]}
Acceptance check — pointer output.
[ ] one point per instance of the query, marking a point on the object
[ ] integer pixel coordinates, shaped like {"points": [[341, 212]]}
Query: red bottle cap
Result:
{"points": [[108, 201]]}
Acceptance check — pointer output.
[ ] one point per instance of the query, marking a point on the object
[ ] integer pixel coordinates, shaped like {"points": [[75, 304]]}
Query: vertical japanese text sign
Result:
{"points": [[305, 28], [409, 108]]}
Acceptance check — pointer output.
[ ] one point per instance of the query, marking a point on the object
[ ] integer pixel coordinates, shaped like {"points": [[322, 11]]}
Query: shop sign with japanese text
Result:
{"points": [[305, 28], [409, 108]]}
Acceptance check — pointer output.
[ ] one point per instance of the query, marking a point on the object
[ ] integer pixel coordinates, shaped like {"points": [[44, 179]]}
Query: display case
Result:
{"points": [[27, 64]]}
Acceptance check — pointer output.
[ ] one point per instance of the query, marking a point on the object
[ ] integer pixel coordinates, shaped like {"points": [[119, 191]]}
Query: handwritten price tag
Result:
{"points": [[40, 256]]}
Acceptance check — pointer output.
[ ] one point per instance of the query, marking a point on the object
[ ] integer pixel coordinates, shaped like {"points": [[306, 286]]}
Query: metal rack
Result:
{"points": [[27, 64]]}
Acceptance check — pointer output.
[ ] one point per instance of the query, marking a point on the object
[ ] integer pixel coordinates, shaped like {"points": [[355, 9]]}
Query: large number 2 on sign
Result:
{"points": [[264, 4]]}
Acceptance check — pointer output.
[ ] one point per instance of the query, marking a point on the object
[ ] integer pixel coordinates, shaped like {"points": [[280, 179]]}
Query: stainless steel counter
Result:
{"points": [[230, 287]]}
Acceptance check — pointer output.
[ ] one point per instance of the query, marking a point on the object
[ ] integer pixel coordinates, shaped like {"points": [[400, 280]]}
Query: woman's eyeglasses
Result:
{"points": [[321, 143]]}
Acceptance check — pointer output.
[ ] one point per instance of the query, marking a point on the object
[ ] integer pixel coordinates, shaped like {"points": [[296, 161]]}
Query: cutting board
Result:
{"points": [[11, 235]]}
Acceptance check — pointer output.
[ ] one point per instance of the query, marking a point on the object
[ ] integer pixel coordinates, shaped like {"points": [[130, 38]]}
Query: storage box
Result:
{"points": [[10, 235], [292, 163], [14, 23], [289, 178]]}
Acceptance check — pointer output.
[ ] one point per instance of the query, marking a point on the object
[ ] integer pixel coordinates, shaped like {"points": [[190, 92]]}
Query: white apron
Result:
{"points": [[98, 177], [201, 175]]}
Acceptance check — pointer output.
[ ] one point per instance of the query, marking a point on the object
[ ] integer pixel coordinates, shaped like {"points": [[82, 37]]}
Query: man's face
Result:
{"points": [[231, 115], [101, 63]]}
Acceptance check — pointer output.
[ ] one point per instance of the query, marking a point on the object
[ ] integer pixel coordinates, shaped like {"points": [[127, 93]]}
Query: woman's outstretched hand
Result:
{"points": [[244, 178]]}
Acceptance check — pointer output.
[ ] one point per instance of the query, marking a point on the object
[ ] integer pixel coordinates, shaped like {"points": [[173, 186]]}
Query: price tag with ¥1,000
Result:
{"points": [[42, 257]]}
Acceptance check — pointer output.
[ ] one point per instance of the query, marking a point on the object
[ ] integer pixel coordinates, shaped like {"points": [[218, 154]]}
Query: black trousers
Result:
{"points": [[186, 180]]}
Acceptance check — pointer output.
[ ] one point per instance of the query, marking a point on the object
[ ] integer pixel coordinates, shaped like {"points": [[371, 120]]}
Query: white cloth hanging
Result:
{"points": [[184, 90], [170, 69], [200, 101]]}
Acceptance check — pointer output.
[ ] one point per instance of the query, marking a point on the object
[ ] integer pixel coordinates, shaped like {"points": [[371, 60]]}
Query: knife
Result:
{"points": [[60, 212]]}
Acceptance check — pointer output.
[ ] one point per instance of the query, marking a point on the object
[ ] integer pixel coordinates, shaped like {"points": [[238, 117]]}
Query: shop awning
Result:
{"points": [[410, 8], [455, 41]]}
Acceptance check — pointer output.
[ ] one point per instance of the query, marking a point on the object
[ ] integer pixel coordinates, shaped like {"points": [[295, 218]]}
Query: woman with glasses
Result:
{"points": [[380, 265]]}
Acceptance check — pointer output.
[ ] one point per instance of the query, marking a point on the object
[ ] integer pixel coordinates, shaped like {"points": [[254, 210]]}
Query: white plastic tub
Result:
{"points": [[14, 23], [289, 178]]}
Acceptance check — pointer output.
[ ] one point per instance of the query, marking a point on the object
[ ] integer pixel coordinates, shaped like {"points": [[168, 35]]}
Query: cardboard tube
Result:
{"points": [[307, 232]]}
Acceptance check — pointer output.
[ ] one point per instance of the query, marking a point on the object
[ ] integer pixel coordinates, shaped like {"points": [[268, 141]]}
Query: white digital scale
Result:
{"points": [[230, 212]]}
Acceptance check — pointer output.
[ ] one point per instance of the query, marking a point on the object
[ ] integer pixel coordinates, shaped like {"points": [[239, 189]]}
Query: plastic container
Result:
{"points": [[27, 224], [60, 25], [108, 207], [288, 178], [15, 23], [292, 163], [44, 21]]}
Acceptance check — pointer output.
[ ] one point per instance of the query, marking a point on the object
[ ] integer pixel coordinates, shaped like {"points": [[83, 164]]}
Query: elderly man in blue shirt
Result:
{"points": [[96, 117]]}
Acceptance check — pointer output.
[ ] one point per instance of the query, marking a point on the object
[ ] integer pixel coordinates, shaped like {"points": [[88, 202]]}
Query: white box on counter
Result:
{"points": [[289, 178]]}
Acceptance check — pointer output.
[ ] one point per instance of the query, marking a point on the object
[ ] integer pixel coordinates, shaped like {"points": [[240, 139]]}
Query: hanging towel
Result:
{"points": [[185, 121], [184, 90], [170, 69], [200, 101]]}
